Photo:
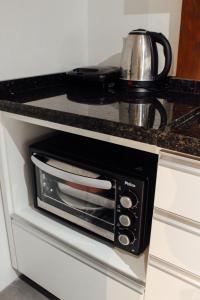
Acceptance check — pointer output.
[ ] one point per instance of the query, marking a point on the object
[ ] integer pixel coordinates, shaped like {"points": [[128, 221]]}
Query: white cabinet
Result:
{"points": [[65, 262], [62, 274], [7, 274], [174, 262], [178, 186], [176, 243], [164, 286], [43, 250]]}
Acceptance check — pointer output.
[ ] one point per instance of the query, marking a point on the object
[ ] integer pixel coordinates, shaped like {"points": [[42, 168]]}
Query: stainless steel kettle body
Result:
{"points": [[147, 112], [139, 60]]}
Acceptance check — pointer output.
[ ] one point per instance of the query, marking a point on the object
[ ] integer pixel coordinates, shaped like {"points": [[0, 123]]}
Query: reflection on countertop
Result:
{"points": [[147, 110], [160, 117]]}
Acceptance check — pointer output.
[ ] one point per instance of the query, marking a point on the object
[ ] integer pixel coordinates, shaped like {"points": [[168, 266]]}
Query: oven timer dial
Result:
{"points": [[128, 201], [124, 239], [125, 220]]}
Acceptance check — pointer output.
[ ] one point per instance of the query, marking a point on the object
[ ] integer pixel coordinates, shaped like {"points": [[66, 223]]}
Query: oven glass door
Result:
{"points": [[77, 195]]}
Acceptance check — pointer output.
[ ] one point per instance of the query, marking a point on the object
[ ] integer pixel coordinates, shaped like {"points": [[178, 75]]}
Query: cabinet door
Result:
{"points": [[7, 274], [163, 286], [178, 186], [63, 275], [176, 243]]}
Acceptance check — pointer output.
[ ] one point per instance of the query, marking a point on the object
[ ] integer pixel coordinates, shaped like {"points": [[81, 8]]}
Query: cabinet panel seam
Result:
{"points": [[174, 271]]}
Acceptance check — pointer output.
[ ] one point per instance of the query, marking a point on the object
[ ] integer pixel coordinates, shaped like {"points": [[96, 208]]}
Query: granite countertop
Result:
{"points": [[45, 98], [183, 138]]}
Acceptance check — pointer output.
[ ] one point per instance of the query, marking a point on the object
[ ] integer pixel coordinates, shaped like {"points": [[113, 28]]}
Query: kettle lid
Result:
{"points": [[138, 31]]}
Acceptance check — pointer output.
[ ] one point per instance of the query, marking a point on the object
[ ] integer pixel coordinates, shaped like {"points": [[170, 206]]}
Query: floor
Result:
{"points": [[24, 290]]}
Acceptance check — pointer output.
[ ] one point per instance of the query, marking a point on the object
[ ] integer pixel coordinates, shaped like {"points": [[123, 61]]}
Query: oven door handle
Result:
{"points": [[85, 181]]}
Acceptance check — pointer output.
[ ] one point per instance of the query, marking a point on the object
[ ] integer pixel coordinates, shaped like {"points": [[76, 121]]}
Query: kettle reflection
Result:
{"points": [[147, 113]]}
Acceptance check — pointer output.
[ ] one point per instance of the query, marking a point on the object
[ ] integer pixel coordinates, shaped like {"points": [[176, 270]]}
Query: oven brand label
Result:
{"points": [[130, 184]]}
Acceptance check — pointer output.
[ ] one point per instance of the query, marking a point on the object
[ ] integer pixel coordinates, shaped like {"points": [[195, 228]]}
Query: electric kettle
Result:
{"points": [[139, 60]]}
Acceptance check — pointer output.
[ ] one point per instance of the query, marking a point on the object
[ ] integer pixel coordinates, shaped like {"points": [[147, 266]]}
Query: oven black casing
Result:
{"points": [[128, 166]]}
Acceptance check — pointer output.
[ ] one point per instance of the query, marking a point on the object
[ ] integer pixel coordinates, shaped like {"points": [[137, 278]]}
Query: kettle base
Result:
{"points": [[139, 86]]}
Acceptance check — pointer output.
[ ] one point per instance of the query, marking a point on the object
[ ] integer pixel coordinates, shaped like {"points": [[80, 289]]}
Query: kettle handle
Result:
{"points": [[161, 39], [156, 105]]}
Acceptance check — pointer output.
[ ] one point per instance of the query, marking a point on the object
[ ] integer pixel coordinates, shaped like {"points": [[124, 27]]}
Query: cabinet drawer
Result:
{"points": [[175, 243], [163, 286], [61, 274], [178, 186]]}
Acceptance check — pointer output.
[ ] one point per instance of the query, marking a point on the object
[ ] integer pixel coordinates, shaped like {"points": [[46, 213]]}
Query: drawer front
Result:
{"points": [[178, 189], [63, 275], [176, 244], [163, 286]]}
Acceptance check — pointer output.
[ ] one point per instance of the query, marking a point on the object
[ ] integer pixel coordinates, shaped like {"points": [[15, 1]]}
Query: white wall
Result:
{"points": [[48, 36], [7, 274], [38, 37], [41, 36], [111, 20]]}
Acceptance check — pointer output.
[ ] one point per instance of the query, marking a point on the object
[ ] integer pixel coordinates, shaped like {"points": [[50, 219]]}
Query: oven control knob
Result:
{"points": [[124, 239], [125, 221], [126, 202]]}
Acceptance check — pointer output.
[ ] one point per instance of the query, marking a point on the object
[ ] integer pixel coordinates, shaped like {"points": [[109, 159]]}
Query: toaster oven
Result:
{"points": [[105, 189]]}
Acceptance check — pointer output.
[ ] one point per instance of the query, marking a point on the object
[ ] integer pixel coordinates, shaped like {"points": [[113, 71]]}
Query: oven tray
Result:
{"points": [[78, 204]]}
